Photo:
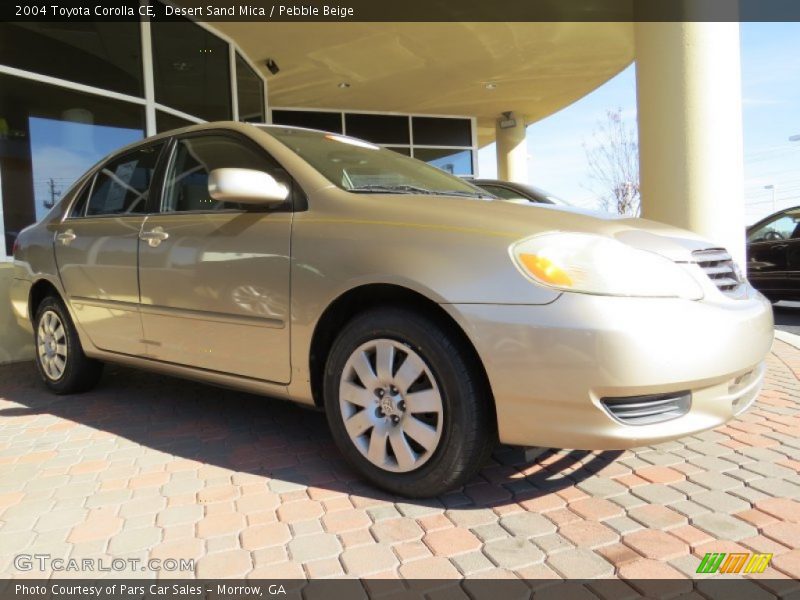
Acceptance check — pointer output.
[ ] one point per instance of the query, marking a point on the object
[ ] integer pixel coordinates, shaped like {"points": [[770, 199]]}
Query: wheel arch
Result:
{"points": [[355, 301], [40, 290]]}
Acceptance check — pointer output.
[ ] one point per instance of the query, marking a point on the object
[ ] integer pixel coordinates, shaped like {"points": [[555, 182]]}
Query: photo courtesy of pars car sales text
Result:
{"points": [[151, 589]]}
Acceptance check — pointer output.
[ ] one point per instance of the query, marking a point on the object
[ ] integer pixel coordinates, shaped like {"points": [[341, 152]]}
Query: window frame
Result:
{"points": [[769, 221], [155, 185], [295, 199]]}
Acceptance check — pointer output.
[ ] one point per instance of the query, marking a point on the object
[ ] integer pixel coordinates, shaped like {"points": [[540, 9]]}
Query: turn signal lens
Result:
{"points": [[545, 270], [602, 265]]}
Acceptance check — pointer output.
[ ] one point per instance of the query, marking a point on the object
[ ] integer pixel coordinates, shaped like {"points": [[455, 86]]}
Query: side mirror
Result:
{"points": [[246, 186]]}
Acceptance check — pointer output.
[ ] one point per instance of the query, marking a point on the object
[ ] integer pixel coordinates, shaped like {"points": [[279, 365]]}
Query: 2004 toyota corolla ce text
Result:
{"points": [[428, 319]]}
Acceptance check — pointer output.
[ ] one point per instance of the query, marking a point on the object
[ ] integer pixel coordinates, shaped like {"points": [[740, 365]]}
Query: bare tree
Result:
{"points": [[613, 157]]}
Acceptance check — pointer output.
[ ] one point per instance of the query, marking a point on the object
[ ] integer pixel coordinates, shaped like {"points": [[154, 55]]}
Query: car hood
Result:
{"points": [[519, 221]]}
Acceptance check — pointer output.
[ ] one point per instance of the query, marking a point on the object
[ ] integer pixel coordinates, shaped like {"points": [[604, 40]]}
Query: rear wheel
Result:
{"points": [[405, 403], [60, 360]]}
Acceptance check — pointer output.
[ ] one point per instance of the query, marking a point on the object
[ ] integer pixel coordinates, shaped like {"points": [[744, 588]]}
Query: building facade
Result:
{"points": [[71, 93]]}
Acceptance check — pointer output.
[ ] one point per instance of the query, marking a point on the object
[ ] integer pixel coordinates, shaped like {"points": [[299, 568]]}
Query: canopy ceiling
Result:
{"points": [[436, 68]]}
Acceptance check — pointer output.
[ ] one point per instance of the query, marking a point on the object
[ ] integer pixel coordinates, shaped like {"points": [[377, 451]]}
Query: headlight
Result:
{"points": [[592, 264]]}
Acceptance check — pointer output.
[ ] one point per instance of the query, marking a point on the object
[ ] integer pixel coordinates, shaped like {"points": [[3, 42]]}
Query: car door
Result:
{"points": [[767, 254], [214, 277], [96, 249]]}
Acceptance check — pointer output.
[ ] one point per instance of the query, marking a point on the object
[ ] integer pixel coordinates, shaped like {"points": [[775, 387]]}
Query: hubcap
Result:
{"points": [[391, 405], [51, 343]]}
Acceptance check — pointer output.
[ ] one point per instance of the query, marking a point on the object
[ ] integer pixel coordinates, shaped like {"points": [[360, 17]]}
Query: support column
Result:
{"points": [[688, 84], [512, 149]]}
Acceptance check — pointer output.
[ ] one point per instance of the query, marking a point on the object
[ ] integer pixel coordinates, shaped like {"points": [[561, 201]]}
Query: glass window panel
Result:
{"points": [[49, 137], [380, 129], [360, 167], [457, 162], [122, 186], [186, 187], [79, 208], [166, 121], [434, 131], [250, 92], [782, 227], [191, 69], [324, 121], [104, 55]]}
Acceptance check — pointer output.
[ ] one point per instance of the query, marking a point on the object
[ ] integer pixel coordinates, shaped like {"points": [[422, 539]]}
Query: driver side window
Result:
{"points": [[186, 183], [781, 228]]}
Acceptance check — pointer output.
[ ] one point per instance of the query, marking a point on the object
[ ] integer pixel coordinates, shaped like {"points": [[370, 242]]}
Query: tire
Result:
{"points": [[459, 430], [60, 360]]}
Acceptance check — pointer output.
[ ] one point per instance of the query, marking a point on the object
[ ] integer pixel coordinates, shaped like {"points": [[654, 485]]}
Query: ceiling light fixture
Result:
{"points": [[490, 85], [344, 85]]}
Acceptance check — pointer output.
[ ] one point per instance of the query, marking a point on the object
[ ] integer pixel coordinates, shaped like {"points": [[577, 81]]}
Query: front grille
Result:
{"points": [[646, 410], [718, 265]]}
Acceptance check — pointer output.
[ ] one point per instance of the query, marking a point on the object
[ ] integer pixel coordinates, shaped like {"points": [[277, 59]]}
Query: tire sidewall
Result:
{"points": [[75, 377], [425, 338]]}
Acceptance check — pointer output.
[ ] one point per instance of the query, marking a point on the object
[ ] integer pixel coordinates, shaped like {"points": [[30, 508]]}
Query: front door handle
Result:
{"points": [[154, 237], [66, 237]]}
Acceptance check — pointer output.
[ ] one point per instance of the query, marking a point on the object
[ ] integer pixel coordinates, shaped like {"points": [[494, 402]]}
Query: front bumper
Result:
{"points": [[549, 366]]}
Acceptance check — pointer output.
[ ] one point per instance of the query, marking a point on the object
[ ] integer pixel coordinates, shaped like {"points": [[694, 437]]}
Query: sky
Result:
{"points": [[63, 150], [770, 55]]}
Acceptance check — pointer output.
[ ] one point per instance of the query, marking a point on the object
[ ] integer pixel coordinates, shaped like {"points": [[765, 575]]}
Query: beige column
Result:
{"points": [[512, 148], [688, 85]]}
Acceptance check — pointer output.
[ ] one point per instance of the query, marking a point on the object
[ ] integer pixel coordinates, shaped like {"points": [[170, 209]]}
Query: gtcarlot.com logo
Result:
{"points": [[735, 562], [44, 562]]}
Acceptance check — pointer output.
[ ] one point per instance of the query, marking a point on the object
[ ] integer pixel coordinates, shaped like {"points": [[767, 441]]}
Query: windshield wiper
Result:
{"points": [[413, 189], [466, 194], [392, 189]]}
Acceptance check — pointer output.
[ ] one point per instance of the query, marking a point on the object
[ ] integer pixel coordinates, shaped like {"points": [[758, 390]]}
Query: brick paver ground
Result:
{"points": [[148, 466]]}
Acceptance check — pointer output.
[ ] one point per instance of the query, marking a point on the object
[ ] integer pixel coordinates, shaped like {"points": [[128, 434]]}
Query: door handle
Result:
{"points": [[66, 237], [154, 237], [780, 246]]}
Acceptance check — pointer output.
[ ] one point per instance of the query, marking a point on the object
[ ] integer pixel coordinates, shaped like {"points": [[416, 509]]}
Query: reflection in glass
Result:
{"points": [[250, 92], [191, 69], [49, 136], [123, 185], [456, 162], [380, 129], [104, 55], [440, 131], [166, 121], [324, 121], [61, 151]]}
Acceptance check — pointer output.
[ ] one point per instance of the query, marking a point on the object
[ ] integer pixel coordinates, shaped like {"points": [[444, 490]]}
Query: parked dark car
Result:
{"points": [[520, 193], [773, 255]]}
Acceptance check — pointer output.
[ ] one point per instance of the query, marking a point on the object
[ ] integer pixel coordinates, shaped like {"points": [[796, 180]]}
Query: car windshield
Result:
{"points": [[361, 167], [529, 193]]}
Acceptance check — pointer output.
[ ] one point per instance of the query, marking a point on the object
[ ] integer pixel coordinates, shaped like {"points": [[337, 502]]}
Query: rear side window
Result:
{"points": [[122, 185], [186, 183], [501, 192]]}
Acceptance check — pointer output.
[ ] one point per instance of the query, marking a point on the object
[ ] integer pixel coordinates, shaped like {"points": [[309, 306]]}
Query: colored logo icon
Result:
{"points": [[735, 562]]}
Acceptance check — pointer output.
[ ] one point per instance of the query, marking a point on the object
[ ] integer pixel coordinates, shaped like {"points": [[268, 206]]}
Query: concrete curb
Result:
{"points": [[789, 338]]}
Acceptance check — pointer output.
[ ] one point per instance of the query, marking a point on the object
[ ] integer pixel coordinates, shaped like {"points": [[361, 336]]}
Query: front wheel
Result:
{"points": [[406, 404], [60, 360]]}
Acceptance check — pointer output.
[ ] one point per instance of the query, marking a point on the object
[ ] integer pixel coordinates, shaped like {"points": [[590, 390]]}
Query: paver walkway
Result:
{"points": [[147, 466]]}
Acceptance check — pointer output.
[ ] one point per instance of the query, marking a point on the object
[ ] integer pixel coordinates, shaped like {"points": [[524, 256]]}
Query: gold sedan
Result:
{"points": [[427, 318]]}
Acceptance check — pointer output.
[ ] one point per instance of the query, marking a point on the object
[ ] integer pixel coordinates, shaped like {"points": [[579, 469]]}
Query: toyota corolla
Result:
{"points": [[427, 319]]}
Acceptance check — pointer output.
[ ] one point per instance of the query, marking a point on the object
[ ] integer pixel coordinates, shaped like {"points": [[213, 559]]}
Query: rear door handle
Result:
{"points": [[154, 237], [66, 237]]}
